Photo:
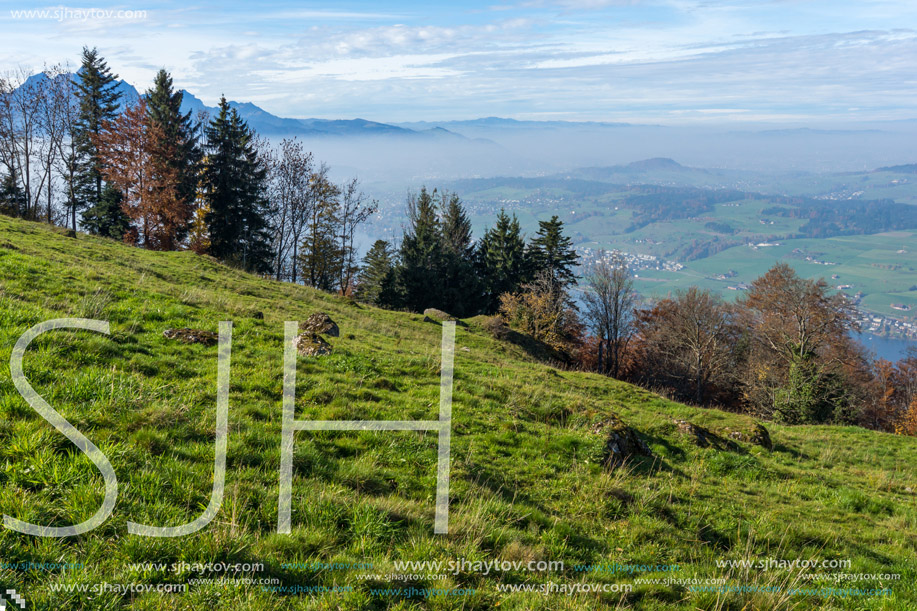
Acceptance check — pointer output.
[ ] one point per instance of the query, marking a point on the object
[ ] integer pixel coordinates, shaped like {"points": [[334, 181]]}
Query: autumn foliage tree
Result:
{"points": [[794, 323], [545, 312], [690, 344], [902, 402], [134, 155]]}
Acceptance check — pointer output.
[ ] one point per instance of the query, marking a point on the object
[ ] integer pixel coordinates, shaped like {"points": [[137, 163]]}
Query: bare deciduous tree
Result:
{"points": [[291, 169], [22, 98], [689, 343], [610, 304], [353, 212], [57, 116]]}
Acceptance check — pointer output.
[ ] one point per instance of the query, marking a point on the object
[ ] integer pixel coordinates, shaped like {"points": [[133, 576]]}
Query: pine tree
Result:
{"points": [[462, 289], [420, 278], [553, 252], [107, 218], [177, 155], [501, 260], [376, 281], [98, 99], [456, 226], [12, 198], [234, 190]]}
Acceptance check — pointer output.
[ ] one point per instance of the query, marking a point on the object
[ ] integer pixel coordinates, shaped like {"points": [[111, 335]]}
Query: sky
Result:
{"points": [[670, 62]]}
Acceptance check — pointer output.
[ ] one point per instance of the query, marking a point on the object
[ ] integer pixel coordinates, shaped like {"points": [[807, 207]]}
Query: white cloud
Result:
{"points": [[671, 59]]}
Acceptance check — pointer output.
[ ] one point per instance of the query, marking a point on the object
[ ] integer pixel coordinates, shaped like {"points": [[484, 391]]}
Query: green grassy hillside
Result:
{"points": [[527, 483]]}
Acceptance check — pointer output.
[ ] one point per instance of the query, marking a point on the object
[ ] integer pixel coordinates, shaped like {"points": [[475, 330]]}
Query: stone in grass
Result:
{"points": [[320, 323], [311, 344], [757, 435], [192, 336], [622, 443], [432, 314], [704, 438], [700, 436]]}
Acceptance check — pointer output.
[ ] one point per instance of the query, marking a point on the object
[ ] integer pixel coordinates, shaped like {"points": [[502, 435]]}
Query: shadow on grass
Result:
{"points": [[779, 447], [649, 465], [536, 349]]}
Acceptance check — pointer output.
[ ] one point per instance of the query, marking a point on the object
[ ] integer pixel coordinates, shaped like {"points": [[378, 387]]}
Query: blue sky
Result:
{"points": [[793, 62]]}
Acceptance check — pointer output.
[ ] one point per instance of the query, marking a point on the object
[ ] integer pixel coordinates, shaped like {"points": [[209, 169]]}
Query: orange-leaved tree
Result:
{"points": [[132, 151]]}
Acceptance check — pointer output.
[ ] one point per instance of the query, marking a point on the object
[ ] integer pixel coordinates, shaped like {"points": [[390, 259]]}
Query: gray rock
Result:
{"points": [[311, 344], [622, 443], [434, 314], [757, 435], [192, 336], [320, 323]]}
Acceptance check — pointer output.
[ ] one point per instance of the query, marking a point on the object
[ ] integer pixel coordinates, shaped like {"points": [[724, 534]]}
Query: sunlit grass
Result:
{"points": [[527, 482]]}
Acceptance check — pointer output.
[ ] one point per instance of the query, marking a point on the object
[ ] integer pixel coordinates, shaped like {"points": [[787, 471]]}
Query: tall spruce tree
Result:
{"points": [[376, 281], [107, 218], [501, 259], [234, 190], [461, 289], [12, 197], [551, 251], [456, 226], [98, 97], [178, 153], [420, 279]]}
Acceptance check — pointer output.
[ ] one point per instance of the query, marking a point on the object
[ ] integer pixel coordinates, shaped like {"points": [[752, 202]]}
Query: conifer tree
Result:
{"points": [[456, 226], [98, 98], [176, 155], [12, 197], [108, 218], [235, 192], [501, 260], [461, 287], [376, 282], [553, 252], [420, 276]]}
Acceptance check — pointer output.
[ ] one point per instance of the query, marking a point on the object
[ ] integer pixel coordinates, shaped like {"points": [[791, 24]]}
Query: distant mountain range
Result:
{"points": [[268, 124], [412, 152], [502, 123]]}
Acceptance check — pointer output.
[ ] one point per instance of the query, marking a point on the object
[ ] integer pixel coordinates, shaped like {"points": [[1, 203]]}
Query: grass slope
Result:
{"points": [[527, 483]]}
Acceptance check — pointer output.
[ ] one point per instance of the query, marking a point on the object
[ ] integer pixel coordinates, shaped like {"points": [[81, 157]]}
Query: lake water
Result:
{"points": [[885, 348]]}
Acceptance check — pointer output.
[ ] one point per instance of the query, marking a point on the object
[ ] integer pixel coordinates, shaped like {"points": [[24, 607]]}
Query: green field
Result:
{"points": [[882, 266], [527, 483], [873, 264]]}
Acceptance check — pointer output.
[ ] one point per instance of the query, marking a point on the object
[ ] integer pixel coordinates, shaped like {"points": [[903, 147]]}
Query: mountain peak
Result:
{"points": [[656, 163]]}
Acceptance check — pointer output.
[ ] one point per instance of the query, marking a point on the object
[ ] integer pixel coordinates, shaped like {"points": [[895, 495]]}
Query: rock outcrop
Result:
{"points": [[311, 344], [432, 314], [320, 324], [622, 443], [756, 435], [192, 336], [727, 438], [700, 436]]}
